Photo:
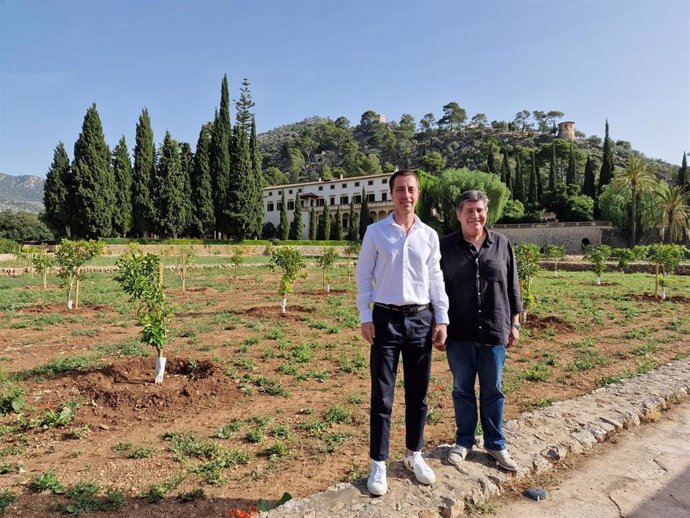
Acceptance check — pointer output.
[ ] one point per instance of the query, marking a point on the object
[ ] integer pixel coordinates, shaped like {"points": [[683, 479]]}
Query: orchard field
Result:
{"points": [[255, 403]]}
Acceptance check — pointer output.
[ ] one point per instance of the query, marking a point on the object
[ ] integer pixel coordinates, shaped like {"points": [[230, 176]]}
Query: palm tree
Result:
{"points": [[669, 210], [636, 178]]}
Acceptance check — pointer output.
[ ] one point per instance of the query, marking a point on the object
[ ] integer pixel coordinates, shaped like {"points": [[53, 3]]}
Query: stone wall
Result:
{"points": [[571, 235]]}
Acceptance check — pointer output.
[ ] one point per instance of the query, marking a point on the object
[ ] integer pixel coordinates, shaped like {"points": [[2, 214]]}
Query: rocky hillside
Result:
{"points": [[21, 193]]}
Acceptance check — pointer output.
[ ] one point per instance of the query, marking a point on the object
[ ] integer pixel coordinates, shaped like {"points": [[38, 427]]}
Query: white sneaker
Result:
{"points": [[422, 472], [457, 455], [503, 458], [376, 483]]}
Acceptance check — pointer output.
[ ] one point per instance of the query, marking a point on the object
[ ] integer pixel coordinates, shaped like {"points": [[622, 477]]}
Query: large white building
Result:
{"points": [[334, 193]]}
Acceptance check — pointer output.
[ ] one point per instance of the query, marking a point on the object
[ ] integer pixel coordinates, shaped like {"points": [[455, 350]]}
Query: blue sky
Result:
{"points": [[628, 61]]}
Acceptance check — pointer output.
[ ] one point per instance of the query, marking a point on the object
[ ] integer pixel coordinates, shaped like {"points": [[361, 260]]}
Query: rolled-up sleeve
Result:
{"points": [[437, 289], [364, 275]]}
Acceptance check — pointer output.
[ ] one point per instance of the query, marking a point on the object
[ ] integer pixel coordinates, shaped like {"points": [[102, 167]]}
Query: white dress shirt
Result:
{"points": [[395, 267]]}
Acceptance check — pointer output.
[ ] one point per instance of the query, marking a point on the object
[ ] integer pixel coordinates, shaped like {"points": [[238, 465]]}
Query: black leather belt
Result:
{"points": [[407, 309]]}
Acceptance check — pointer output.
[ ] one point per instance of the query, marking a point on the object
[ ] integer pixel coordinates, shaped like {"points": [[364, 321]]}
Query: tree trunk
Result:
{"points": [[160, 367]]}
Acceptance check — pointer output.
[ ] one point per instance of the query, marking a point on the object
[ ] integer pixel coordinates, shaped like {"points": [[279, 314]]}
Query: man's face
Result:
{"points": [[405, 194], [472, 217]]}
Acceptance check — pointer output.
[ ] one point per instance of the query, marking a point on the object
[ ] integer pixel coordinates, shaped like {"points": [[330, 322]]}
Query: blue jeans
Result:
{"points": [[399, 335], [466, 361]]}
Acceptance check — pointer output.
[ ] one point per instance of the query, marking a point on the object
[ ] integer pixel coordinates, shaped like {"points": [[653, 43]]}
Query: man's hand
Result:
{"points": [[368, 332], [438, 336], [513, 337]]}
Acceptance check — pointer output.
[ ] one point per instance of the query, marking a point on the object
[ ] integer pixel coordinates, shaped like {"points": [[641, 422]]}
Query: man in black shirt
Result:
{"points": [[481, 281]]}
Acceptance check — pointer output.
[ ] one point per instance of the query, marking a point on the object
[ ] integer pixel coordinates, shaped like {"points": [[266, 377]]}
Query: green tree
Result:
{"points": [[527, 257], [324, 231], [337, 226], [122, 169], [353, 222], [23, 226], [239, 211], [607, 165], [143, 207], [187, 167], [453, 116], [668, 210], [433, 162], [296, 227], [552, 167], [203, 219], [505, 168], [257, 177], [325, 262], [243, 115], [636, 178], [94, 182], [58, 192], [312, 224], [220, 159], [291, 261], [572, 166], [41, 263], [533, 191], [170, 185], [683, 178], [554, 253], [519, 183], [598, 256], [284, 226], [589, 187], [363, 215], [70, 257], [666, 258]]}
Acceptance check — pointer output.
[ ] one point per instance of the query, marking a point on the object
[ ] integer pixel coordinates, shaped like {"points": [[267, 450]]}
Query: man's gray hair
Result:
{"points": [[473, 195]]}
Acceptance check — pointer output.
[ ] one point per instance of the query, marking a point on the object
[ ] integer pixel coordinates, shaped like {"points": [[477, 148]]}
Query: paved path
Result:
{"points": [[538, 440], [645, 474]]}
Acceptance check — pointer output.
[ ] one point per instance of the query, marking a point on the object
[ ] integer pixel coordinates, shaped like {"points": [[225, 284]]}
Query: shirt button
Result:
{"points": [[480, 310], [480, 327]]}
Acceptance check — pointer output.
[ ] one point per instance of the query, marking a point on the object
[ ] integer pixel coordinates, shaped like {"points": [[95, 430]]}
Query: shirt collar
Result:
{"points": [[487, 242], [391, 220]]}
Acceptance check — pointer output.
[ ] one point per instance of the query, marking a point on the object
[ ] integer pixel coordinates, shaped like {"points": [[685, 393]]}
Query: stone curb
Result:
{"points": [[538, 440]]}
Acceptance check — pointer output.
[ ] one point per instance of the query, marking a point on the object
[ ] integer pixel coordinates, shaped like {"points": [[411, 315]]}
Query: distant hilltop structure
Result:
{"points": [[566, 130]]}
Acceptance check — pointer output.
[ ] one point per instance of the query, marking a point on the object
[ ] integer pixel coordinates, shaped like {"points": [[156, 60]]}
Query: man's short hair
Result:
{"points": [[404, 172], [472, 195]]}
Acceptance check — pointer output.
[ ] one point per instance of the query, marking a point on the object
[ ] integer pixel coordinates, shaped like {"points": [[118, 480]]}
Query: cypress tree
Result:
{"points": [[187, 166], [589, 186], [519, 187], [363, 215], [491, 162], [532, 194], [170, 186], [143, 209], [606, 173], [510, 183], [353, 223], [337, 227], [572, 166], [284, 226], [324, 231], [683, 177], [552, 168], [58, 193], [505, 167], [296, 227], [220, 159], [122, 170], [203, 219], [238, 209], [312, 224], [257, 179], [94, 183]]}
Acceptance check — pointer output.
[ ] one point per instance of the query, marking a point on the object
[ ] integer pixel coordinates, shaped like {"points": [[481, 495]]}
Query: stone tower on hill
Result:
{"points": [[566, 130]]}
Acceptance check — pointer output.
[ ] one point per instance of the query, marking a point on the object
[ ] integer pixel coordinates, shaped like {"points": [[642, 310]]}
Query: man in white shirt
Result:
{"points": [[399, 272]]}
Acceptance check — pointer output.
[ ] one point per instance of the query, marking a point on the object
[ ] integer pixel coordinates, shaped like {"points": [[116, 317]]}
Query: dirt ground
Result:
{"points": [[233, 341]]}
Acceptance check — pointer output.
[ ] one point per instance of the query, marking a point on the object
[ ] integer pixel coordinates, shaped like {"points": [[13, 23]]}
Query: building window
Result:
{"points": [[332, 200], [269, 207], [370, 182], [291, 205], [319, 202], [344, 186], [270, 193], [344, 200], [320, 187], [384, 196], [357, 198], [384, 181], [299, 190], [332, 186], [356, 184], [371, 196]]}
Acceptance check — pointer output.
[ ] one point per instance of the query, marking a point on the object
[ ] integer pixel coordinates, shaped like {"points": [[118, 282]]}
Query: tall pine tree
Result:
{"points": [[519, 183], [243, 106], [571, 174], [589, 187], [532, 193], [203, 220], [606, 173], [94, 183], [363, 215], [353, 223], [187, 166], [170, 187], [122, 169], [552, 168], [312, 224], [284, 226], [324, 230], [337, 226], [683, 178], [58, 192], [220, 159], [257, 201], [143, 208], [297, 227], [505, 168]]}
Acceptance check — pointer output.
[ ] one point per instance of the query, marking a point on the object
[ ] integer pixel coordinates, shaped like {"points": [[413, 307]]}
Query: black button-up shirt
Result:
{"points": [[482, 286]]}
